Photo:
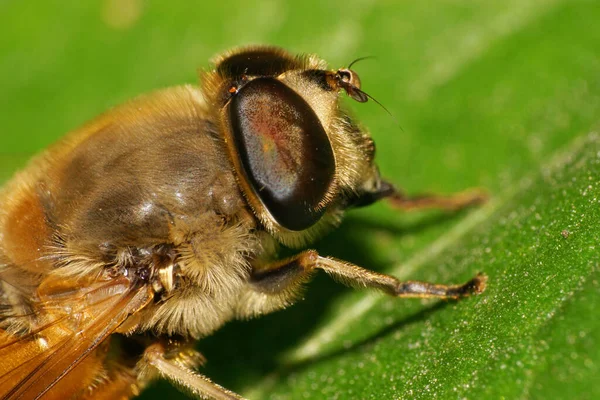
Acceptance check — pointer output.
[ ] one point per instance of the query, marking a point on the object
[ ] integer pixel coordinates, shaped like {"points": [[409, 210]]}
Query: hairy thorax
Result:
{"points": [[141, 197]]}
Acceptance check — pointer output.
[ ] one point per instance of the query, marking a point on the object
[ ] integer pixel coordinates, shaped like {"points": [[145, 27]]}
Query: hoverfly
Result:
{"points": [[159, 221]]}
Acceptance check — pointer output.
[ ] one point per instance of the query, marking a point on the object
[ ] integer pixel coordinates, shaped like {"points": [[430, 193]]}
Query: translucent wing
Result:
{"points": [[59, 356]]}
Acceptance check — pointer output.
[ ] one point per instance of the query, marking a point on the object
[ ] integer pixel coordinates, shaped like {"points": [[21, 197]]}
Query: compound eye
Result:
{"points": [[264, 61], [284, 153], [345, 76]]}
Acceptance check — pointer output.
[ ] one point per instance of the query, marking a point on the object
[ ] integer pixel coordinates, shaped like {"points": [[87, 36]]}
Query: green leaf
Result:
{"points": [[531, 334], [496, 94]]}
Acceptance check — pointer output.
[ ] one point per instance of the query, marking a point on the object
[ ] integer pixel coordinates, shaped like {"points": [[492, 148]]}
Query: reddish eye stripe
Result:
{"points": [[283, 150]]}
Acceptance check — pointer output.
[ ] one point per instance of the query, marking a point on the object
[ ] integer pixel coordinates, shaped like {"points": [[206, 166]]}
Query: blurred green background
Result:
{"points": [[487, 93]]}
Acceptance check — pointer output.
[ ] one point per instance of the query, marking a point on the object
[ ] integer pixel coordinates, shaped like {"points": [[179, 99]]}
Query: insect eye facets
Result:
{"points": [[284, 152], [256, 62], [344, 76]]}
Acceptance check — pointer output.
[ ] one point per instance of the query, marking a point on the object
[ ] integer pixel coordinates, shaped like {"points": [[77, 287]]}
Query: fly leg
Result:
{"points": [[453, 202], [176, 363], [278, 285], [399, 199]]}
